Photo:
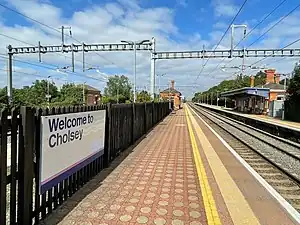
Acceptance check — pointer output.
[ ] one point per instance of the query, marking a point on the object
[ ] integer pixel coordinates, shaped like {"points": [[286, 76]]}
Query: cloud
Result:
{"points": [[127, 20], [220, 25], [224, 8], [182, 3]]}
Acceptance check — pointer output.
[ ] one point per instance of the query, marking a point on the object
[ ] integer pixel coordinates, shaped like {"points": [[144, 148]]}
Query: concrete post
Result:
{"points": [[152, 74], [9, 77]]}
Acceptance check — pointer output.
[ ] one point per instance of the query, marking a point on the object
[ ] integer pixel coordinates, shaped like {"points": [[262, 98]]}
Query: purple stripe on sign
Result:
{"points": [[68, 168], [49, 183]]}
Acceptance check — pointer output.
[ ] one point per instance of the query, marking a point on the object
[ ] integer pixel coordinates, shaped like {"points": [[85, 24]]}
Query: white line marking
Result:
{"points": [[287, 206]]}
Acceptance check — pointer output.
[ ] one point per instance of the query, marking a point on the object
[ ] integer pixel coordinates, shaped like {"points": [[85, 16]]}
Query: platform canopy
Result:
{"points": [[247, 91]]}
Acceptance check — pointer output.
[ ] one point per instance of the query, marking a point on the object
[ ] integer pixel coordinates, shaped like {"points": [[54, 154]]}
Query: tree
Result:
{"points": [[143, 96], [21, 96], [118, 87], [3, 96], [288, 80], [260, 78], [292, 105], [226, 85], [36, 94], [294, 86], [71, 94]]}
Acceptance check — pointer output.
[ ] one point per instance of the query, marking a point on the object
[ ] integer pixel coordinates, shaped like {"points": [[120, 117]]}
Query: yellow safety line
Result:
{"points": [[238, 207], [208, 199]]}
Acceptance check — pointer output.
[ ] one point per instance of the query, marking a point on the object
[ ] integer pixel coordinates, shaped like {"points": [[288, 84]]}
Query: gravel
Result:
{"points": [[286, 162]]}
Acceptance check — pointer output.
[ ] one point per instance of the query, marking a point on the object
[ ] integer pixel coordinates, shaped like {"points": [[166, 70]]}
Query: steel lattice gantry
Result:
{"points": [[77, 48], [228, 54], [73, 48]]}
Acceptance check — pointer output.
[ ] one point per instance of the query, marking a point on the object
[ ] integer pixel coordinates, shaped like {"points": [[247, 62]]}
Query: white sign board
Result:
{"points": [[68, 143]]}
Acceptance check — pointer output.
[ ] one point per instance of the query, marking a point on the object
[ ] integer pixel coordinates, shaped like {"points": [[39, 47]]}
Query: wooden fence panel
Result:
{"points": [[125, 123]]}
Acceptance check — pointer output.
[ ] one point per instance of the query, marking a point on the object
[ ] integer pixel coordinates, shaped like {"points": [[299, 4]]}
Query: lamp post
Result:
{"points": [[170, 96], [83, 93], [285, 77], [134, 43], [48, 96], [159, 75], [63, 28], [233, 26]]}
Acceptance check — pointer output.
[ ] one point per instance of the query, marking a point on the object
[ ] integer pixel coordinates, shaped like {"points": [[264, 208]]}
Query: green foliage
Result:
{"points": [[260, 78], [143, 96], [288, 81], [227, 85], [118, 87], [294, 86], [36, 94], [292, 105], [71, 94], [105, 99]]}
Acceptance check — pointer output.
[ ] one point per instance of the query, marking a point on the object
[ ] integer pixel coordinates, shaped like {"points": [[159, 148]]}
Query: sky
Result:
{"points": [[177, 25]]}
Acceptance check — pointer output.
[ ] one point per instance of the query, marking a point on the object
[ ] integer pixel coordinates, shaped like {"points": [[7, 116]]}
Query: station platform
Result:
{"points": [[264, 118], [180, 173]]}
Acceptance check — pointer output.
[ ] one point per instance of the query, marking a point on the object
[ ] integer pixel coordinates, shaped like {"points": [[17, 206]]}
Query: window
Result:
{"points": [[279, 98]]}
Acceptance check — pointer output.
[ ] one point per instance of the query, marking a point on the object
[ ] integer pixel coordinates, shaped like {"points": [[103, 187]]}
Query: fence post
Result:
{"points": [[153, 122], [26, 135], [133, 123], [145, 118], [107, 145], [3, 166]]}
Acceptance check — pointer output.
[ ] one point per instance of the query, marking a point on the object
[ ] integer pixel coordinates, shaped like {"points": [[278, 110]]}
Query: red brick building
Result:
{"points": [[277, 91], [173, 94], [92, 95]]}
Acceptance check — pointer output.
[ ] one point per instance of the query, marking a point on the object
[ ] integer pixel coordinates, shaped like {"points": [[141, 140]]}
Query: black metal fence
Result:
{"points": [[20, 202]]}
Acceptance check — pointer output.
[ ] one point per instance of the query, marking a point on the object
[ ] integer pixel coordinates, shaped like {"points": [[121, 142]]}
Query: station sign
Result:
{"points": [[68, 143]]}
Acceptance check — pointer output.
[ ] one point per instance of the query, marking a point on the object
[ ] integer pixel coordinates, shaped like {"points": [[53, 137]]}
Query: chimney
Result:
{"points": [[277, 78], [172, 84], [270, 76], [252, 81]]}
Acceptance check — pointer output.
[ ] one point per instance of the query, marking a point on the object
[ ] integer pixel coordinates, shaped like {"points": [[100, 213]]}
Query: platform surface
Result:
{"points": [[181, 173], [264, 118]]}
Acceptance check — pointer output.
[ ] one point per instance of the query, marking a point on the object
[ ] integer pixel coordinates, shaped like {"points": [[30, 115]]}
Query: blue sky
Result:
{"points": [[176, 25]]}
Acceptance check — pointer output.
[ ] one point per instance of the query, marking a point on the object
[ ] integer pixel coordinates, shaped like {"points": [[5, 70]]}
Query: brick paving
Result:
{"points": [[156, 184]]}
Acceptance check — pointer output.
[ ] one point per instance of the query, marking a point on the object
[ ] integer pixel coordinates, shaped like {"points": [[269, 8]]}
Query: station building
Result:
{"points": [[92, 95], [262, 99], [172, 94]]}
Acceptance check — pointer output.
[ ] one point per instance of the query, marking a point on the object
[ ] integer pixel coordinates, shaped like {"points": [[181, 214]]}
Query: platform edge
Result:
{"points": [[285, 205]]}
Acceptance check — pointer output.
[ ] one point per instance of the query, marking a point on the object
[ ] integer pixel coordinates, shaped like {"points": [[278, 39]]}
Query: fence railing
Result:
{"points": [[20, 201]]}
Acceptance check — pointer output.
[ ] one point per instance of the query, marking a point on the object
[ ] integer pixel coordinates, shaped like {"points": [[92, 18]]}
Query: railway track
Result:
{"points": [[275, 159]]}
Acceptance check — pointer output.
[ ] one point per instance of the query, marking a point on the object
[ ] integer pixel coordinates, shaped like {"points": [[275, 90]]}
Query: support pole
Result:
{"points": [[40, 56], [48, 91], [9, 77], [170, 97], [134, 70], [62, 35], [284, 98], [152, 74], [232, 34], [152, 78], [159, 88], [73, 59], [83, 93], [83, 63]]}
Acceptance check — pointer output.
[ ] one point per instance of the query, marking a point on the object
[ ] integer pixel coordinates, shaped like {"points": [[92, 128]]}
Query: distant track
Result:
{"points": [[277, 160]]}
